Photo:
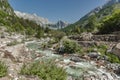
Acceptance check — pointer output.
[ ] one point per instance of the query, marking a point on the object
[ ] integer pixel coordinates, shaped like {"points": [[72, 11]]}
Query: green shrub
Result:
{"points": [[113, 58], [40, 33], [44, 45], [58, 35], [53, 41], [3, 69], [110, 23], [101, 48], [71, 47], [29, 31], [44, 70]]}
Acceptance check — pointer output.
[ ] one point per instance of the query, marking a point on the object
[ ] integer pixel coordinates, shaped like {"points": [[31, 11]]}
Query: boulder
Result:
{"points": [[116, 49], [8, 54], [76, 59], [86, 36], [94, 54]]}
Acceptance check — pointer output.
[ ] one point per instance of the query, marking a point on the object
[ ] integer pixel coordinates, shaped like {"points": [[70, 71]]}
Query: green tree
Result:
{"points": [[91, 25], [40, 33], [111, 23], [30, 31], [47, 30], [77, 30], [18, 27]]}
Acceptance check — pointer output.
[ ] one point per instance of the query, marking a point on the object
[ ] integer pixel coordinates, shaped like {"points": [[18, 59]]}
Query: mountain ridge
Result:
{"points": [[97, 9], [33, 17], [95, 15], [44, 22]]}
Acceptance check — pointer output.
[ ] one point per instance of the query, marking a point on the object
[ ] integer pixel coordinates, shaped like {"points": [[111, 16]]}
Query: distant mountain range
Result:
{"points": [[41, 21], [59, 25], [9, 17], [33, 17], [98, 13]]}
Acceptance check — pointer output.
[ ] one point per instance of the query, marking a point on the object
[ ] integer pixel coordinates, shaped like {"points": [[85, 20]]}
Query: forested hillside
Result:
{"points": [[95, 20]]}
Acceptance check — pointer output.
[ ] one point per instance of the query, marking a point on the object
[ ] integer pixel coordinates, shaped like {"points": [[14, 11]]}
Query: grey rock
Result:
{"points": [[116, 49], [86, 36], [75, 59], [94, 54]]}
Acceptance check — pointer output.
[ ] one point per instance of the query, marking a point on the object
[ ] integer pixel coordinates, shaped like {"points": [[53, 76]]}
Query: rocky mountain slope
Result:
{"points": [[41, 21], [33, 17]]}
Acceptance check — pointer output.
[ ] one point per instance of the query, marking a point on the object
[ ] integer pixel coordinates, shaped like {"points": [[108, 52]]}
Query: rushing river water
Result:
{"points": [[83, 70]]}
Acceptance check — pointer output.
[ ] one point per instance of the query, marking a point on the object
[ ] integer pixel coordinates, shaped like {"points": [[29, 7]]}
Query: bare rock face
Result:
{"points": [[116, 50]]}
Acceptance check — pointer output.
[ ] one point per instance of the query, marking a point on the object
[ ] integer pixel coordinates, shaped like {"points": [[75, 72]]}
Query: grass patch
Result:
{"points": [[44, 70], [101, 48], [3, 69]]}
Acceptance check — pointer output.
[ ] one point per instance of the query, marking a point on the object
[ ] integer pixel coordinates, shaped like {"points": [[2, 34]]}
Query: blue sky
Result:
{"points": [[54, 10]]}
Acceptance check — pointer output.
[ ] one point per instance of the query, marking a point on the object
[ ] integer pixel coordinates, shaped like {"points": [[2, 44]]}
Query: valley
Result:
{"points": [[33, 48], [85, 65]]}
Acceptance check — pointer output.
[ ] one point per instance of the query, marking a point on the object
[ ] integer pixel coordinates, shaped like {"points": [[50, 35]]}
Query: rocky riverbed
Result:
{"points": [[77, 67]]}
